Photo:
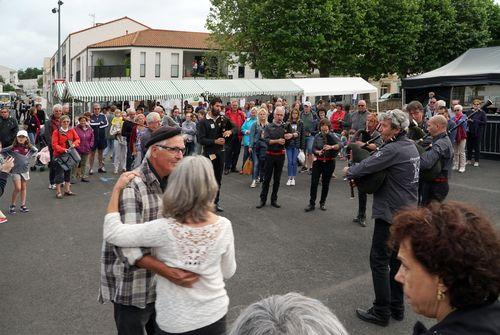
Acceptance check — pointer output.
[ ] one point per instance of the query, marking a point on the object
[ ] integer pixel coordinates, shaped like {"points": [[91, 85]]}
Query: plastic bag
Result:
{"points": [[301, 158], [248, 167]]}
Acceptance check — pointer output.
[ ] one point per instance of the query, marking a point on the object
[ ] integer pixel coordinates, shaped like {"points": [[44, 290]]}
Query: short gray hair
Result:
{"points": [[153, 117], [289, 314], [459, 107], [399, 119], [191, 190], [279, 109], [56, 107]]}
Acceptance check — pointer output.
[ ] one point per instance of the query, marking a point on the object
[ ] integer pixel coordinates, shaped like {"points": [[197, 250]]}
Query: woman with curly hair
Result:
{"points": [[450, 268]]}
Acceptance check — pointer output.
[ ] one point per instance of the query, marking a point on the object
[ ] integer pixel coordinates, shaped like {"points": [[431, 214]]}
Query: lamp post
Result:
{"points": [[58, 11]]}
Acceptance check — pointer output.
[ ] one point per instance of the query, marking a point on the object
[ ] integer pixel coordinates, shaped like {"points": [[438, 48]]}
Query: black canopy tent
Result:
{"points": [[474, 67]]}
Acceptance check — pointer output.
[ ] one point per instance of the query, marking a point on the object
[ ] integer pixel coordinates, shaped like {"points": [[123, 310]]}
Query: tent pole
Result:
{"points": [[73, 111]]}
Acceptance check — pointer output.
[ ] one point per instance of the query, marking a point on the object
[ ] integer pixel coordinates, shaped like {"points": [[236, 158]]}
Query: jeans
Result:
{"points": [[131, 320], [325, 170], [109, 147], [216, 328], [473, 145], [259, 164], [291, 154], [246, 155], [274, 167], [31, 137], [384, 266]]}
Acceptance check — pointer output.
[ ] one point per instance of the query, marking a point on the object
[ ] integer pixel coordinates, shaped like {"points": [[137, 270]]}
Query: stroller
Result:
{"points": [[42, 157]]}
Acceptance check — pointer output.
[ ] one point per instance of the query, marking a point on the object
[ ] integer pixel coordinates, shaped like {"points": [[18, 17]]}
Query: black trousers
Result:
{"points": [[232, 153], [274, 167], [384, 266], [131, 320], [362, 199], [323, 169], [473, 146], [130, 158], [216, 328], [52, 167], [218, 165], [433, 192]]}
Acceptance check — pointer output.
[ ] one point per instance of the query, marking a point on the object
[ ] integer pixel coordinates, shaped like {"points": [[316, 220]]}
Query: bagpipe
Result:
{"points": [[368, 184]]}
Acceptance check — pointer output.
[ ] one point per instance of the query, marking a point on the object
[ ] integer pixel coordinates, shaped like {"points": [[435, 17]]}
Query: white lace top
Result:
{"points": [[207, 250]]}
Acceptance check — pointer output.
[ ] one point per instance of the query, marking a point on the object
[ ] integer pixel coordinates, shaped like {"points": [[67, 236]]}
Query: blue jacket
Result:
{"points": [[247, 127]]}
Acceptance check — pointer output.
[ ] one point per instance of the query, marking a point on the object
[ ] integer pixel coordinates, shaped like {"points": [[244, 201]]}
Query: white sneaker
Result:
{"points": [[455, 167], [476, 164], [288, 182], [52, 186], [468, 162], [461, 170], [253, 184], [292, 182]]}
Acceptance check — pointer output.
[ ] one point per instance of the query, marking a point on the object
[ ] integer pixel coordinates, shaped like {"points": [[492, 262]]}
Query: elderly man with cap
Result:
{"points": [[399, 157], [127, 274]]}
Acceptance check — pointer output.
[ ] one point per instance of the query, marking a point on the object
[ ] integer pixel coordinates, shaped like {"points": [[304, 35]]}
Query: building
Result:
{"points": [[9, 75]]}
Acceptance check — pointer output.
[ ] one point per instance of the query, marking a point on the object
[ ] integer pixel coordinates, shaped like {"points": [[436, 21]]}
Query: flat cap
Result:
{"points": [[163, 133]]}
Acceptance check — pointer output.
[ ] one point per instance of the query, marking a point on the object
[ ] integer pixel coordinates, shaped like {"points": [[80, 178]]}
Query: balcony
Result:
{"points": [[109, 72]]}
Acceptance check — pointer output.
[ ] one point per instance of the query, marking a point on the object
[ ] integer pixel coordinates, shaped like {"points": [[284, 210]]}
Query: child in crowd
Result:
{"points": [[120, 143], [343, 150], [21, 150]]}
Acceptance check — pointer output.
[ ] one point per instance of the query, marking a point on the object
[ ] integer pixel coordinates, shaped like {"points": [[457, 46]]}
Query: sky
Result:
{"points": [[29, 28]]}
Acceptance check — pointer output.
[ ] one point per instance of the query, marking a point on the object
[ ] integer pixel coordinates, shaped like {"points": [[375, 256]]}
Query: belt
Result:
{"points": [[440, 180], [275, 153], [325, 159]]}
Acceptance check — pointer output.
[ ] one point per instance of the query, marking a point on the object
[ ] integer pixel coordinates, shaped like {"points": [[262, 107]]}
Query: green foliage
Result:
{"points": [[29, 73], [2, 80], [370, 38], [40, 82], [8, 88]]}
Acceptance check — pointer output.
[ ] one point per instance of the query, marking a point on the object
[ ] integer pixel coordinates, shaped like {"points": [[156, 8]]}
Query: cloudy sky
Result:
{"points": [[29, 28]]}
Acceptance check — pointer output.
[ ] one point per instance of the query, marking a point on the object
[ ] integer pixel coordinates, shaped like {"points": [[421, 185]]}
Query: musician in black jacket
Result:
{"points": [[440, 150], [275, 134], [369, 139], [326, 146], [212, 133]]}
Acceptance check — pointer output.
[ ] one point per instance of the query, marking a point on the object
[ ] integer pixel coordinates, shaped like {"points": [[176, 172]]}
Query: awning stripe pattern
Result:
{"points": [[188, 88], [60, 91], [277, 87], [161, 89]]}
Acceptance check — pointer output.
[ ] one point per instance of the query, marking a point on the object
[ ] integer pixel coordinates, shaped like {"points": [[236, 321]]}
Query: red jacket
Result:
{"points": [[237, 118], [60, 141], [335, 119]]}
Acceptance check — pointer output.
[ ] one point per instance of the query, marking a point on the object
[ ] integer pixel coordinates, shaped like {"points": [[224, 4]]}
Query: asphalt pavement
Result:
{"points": [[49, 277]]}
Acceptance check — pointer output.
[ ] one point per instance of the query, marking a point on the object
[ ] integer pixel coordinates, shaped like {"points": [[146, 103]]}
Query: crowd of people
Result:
{"points": [[164, 269]]}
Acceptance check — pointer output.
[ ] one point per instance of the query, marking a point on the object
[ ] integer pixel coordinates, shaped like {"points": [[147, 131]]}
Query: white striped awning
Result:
{"points": [[229, 87], [88, 91], [60, 91], [161, 89], [188, 88], [277, 87], [124, 90]]}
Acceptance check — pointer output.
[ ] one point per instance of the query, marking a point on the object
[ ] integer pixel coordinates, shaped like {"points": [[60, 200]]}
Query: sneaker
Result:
{"points": [[52, 186], [304, 169], [24, 209], [288, 182], [253, 184], [116, 171], [476, 164], [292, 182], [91, 172], [3, 220], [12, 209], [468, 162], [455, 167], [101, 170], [85, 180], [309, 171], [461, 170]]}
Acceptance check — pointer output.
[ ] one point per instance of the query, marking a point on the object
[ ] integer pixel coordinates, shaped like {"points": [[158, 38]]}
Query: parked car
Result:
{"points": [[390, 96]]}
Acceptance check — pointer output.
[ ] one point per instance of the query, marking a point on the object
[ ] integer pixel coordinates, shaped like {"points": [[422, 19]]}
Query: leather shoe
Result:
{"points": [[322, 207], [218, 208], [362, 221], [398, 315], [226, 172], [309, 208], [262, 204], [275, 204], [371, 317]]}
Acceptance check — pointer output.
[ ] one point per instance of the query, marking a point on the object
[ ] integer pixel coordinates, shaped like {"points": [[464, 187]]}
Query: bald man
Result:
{"points": [[440, 149]]}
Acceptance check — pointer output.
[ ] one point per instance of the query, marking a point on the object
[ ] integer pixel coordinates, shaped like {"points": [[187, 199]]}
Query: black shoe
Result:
{"points": [[101, 170], [362, 221], [309, 208], [322, 207], [275, 204], [85, 180], [226, 171], [398, 315], [218, 208], [370, 316], [234, 170], [262, 204]]}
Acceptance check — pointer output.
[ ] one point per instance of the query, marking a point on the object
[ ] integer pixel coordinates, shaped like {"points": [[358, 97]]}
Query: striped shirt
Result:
{"points": [[121, 281]]}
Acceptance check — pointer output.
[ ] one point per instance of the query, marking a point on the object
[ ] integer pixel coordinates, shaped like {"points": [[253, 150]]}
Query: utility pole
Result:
{"points": [[58, 11]]}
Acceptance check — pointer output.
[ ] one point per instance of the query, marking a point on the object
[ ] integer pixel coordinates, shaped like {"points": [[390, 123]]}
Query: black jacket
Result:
{"points": [[208, 130], [319, 142], [481, 320], [275, 132]]}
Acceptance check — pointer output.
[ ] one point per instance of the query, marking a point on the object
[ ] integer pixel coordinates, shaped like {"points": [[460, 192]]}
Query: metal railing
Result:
{"points": [[491, 136], [109, 71]]}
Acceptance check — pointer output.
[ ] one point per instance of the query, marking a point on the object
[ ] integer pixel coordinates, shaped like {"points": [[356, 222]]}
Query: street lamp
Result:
{"points": [[58, 11]]}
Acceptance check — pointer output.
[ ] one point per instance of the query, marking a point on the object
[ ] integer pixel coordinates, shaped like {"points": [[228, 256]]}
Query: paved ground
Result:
{"points": [[49, 275]]}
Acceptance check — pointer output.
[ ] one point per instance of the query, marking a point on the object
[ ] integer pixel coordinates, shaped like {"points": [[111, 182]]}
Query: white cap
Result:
{"points": [[22, 133], [307, 103]]}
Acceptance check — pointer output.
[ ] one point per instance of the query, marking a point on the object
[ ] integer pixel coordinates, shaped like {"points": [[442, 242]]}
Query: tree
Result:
{"points": [[8, 88], [29, 73], [40, 82], [494, 24], [472, 24]]}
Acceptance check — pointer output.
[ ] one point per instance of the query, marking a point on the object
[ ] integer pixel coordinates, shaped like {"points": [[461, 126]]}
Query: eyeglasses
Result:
{"points": [[361, 105], [174, 150], [457, 110]]}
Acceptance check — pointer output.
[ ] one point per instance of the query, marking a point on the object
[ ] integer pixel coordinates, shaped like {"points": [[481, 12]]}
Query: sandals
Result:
{"points": [[59, 196], [69, 193]]}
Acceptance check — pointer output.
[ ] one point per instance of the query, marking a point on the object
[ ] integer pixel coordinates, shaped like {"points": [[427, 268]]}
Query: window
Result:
{"points": [[256, 73], [384, 89], [174, 67], [143, 65], [157, 64], [241, 72]]}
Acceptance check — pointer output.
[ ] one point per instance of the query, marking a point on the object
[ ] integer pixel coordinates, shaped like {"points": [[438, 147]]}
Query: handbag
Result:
{"points": [[69, 159], [301, 158], [248, 167]]}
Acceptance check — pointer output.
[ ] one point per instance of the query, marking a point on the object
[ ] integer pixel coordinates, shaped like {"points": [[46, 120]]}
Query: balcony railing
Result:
{"points": [[109, 71]]}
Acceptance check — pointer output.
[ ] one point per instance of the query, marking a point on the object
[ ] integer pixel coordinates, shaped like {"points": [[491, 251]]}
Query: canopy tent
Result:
{"points": [[278, 87], [160, 89], [474, 67], [229, 87], [60, 91], [124, 90], [188, 88], [334, 86], [86, 91]]}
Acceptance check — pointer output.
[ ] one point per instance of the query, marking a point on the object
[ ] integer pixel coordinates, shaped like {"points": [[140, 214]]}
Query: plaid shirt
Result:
{"points": [[121, 281]]}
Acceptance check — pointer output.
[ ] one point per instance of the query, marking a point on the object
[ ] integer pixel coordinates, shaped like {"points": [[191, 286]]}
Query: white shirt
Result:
{"points": [[206, 250]]}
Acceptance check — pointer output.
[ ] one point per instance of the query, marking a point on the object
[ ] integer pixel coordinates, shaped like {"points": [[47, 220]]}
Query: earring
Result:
{"points": [[440, 294]]}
